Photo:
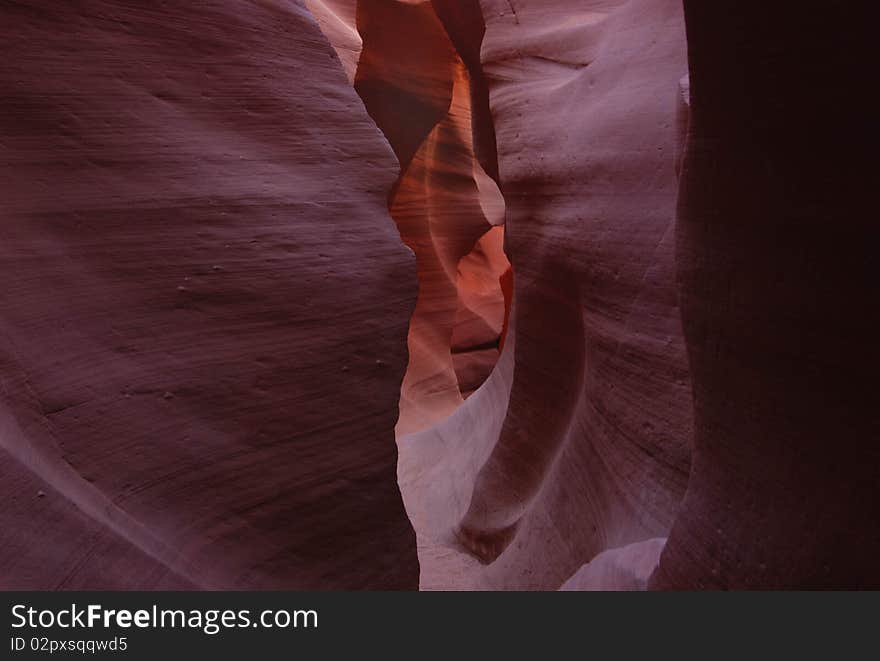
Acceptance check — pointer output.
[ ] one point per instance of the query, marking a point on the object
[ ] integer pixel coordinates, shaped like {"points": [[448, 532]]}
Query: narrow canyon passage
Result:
{"points": [[448, 210], [438, 294], [579, 442], [450, 213], [598, 354]]}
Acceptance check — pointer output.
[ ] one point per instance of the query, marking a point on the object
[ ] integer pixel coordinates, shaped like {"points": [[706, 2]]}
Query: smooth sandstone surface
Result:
{"points": [[204, 305], [579, 441], [338, 21], [577, 446], [604, 267], [628, 568], [419, 91]]}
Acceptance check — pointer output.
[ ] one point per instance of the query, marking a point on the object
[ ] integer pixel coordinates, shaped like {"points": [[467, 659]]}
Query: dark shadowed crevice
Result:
{"points": [[464, 23]]}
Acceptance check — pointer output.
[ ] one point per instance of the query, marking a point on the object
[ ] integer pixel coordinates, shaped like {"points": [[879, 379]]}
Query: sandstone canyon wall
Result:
{"points": [[579, 444], [580, 441], [776, 244], [449, 211], [601, 266], [204, 304]]}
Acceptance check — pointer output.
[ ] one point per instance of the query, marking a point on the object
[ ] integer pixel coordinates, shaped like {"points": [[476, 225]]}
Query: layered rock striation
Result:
{"points": [[205, 305], [602, 266], [579, 442]]}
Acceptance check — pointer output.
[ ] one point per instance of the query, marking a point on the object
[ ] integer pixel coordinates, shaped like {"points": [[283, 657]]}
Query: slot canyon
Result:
{"points": [[438, 295]]}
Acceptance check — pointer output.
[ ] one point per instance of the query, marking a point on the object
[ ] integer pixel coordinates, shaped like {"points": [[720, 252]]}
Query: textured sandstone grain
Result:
{"points": [[204, 304], [590, 449], [237, 238]]}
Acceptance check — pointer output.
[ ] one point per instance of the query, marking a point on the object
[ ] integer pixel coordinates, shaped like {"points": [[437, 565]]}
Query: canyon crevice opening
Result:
{"points": [[441, 294]]}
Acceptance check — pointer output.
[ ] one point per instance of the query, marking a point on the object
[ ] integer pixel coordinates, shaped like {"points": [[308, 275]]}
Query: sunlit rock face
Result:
{"points": [[204, 307]]}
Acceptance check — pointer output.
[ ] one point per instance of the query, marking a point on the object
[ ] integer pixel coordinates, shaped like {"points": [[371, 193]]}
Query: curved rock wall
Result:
{"points": [[204, 304], [338, 21], [647, 365], [419, 92], [590, 450], [774, 259]]}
